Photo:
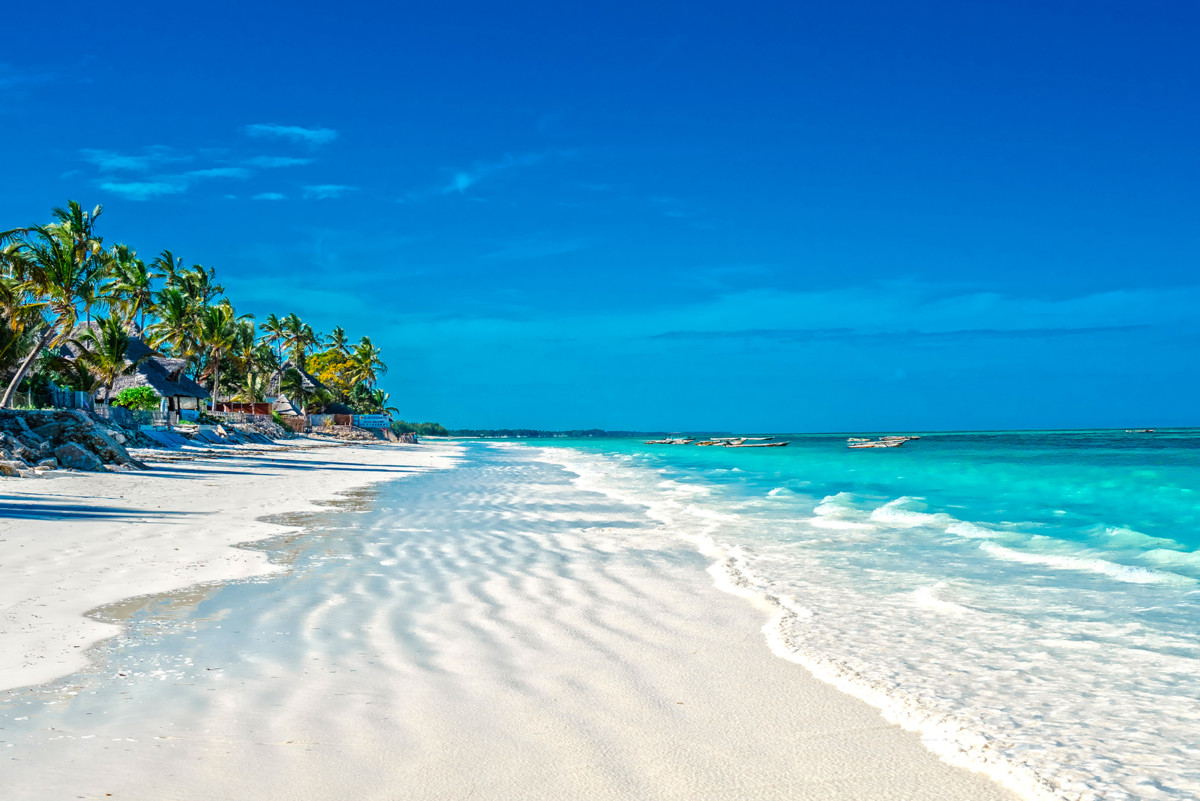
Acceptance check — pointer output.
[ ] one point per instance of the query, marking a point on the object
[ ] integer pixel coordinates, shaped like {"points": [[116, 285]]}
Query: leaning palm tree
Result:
{"points": [[57, 263], [104, 350], [198, 283]]}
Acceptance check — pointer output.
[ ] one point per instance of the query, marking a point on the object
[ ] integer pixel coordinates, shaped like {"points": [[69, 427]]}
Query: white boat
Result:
{"points": [[879, 443], [757, 444], [671, 439]]}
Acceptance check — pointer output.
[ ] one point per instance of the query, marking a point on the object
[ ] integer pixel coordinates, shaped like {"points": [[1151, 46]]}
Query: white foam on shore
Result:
{"points": [[974, 673], [459, 645], [1130, 573]]}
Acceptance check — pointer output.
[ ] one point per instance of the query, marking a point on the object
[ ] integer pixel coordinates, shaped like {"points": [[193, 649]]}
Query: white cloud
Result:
{"points": [[219, 172], [465, 179], [269, 162], [327, 191], [144, 190], [294, 133], [151, 158]]}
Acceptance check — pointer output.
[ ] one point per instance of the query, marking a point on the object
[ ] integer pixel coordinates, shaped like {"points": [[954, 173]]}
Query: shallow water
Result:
{"points": [[1029, 601]]}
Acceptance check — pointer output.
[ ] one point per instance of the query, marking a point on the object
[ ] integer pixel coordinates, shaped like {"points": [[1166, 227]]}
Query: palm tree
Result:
{"points": [[217, 332], [166, 265], [57, 263], [253, 388], [379, 401], [74, 374], [274, 333], [131, 289], [198, 283], [338, 341], [368, 365], [176, 326], [103, 350], [292, 386]]}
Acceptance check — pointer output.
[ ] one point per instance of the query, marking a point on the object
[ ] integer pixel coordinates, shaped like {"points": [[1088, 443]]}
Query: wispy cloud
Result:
{"points": [[270, 162], [910, 337], [462, 180], [270, 196], [143, 190], [11, 77], [218, 172], [151, 158], [173, 184], [294, 133], [327, 191], [526, 249]]}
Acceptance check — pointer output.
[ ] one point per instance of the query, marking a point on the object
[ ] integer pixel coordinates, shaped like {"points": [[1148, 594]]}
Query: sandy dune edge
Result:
{"points": [[71, 542]]}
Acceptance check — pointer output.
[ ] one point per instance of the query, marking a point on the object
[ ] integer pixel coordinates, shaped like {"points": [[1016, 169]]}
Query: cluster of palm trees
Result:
{"points": [[56, 276]]}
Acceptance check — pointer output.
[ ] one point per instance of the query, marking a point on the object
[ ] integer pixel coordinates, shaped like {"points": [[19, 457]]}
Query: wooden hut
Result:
{"points": [[159, 372]]}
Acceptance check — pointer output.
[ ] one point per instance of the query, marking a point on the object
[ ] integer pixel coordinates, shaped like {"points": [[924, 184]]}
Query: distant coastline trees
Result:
{"points": [[54, 277]]}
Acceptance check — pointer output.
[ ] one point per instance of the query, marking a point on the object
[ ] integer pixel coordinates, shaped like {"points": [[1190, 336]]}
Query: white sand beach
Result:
{"points": [[488, 631], [71, 542]]}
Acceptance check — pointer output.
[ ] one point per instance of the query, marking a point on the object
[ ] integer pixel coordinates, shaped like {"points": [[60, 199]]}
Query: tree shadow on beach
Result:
{"points": [[25, 508]]}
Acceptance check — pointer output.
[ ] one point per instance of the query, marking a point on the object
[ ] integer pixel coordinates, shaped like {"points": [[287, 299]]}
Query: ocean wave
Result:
{"points": [[971, 530], [1089, 564], [907, 512]]}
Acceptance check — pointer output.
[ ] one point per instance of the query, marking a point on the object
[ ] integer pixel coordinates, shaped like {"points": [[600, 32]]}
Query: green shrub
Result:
{"points": [[138, 398]]}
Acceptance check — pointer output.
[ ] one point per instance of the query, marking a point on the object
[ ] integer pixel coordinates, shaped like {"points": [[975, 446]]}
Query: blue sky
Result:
{"points": [[764, 217]]}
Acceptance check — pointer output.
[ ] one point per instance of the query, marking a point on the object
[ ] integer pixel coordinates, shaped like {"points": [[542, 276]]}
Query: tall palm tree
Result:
{"points": [[166, 265], [131, 290], [218, 334], [298, 338], [274, 333], [292, 386], [104, 351], [338, 341], [57, 263], [199, 284], [368, 365], [176, 325]]}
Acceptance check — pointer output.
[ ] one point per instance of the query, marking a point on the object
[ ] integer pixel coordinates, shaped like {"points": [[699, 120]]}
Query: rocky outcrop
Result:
{"points": [[49, 440], [77, 457]]}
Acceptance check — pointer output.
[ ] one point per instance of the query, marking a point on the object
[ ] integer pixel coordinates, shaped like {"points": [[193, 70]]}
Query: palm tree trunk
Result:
{"points": [[6, 401], [216, 380]]}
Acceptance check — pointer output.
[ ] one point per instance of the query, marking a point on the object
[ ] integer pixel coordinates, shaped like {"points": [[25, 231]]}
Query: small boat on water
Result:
{"points": [[671, 439], [757, 444], [858, 439], [879, 443], [1140, 430]]}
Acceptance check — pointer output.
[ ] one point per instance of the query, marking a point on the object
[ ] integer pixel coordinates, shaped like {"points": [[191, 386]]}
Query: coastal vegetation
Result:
{"points": [[70, 306]]}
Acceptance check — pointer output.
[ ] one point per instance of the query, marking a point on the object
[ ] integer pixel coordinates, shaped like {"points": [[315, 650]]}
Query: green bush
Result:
{"points": [[138, 398]]}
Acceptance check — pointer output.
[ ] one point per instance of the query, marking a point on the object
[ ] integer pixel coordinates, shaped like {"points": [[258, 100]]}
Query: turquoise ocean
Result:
{"points": [[1028, 601]]}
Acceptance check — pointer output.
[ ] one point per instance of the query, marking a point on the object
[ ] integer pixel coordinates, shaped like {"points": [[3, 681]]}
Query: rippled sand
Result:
{"points": [[489, 631]]}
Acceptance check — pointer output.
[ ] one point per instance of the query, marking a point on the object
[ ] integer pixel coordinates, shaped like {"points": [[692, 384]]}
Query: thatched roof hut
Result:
{"points": [[159, 372]]}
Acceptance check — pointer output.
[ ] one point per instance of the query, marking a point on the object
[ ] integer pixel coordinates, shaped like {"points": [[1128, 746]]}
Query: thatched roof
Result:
{"points": [[310, 382], [161, 373]]}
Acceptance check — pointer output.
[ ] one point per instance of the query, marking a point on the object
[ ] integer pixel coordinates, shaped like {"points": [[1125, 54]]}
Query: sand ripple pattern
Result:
{"points": [[490, 631]]}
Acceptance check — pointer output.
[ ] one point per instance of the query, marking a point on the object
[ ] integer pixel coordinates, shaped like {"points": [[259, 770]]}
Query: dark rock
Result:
{"points": [[48, 464], [76, 457]]}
